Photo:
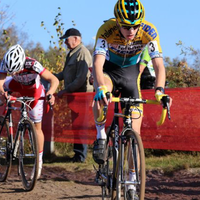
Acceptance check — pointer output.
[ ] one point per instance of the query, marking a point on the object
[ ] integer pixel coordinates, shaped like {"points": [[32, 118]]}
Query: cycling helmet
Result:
{"points": [[129, 12], [14, 59]]}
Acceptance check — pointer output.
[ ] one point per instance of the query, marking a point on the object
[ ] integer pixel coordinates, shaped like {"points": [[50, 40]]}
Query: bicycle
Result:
{"points": [[24, 146], [124, 151]]}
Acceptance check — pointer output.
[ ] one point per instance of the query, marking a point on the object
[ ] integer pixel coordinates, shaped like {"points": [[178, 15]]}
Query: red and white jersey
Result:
{"points": [[30, 75]]}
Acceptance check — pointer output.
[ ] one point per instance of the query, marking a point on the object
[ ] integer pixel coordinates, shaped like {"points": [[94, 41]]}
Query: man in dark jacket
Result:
{"points": [[76, 76]]}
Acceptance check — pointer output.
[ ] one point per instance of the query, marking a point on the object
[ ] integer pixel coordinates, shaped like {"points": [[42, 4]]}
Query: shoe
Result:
{"points": [[131, 195], [99, 149]]}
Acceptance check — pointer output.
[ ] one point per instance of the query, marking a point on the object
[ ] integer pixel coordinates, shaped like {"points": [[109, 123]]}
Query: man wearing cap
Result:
{"points": [[76, 76]]}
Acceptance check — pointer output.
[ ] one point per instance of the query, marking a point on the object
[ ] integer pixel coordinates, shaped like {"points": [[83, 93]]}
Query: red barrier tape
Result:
{"points": [[74, 122]]}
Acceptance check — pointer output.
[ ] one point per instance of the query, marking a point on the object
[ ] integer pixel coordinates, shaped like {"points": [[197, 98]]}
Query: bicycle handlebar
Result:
{"points": [[133, 101], [24, 99]]}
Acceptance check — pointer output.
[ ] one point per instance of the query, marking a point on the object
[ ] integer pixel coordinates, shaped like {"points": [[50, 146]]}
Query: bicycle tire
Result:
{"points": [[107, 169], [28, 154], [5, 149], [133, 148]]}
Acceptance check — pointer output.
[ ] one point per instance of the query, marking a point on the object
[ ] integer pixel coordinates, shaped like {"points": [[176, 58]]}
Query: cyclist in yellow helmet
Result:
{"points": [[119, 44]]}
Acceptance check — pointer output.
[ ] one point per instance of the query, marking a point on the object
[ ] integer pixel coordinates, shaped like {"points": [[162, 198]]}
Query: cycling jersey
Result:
{"points": [[29, 77], [124, 53], [27, 83]]}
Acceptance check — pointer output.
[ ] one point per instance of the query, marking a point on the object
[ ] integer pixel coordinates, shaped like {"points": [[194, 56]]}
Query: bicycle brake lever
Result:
{"points": [[165, 101], [168, 111], [108, 95], [48, 98]]}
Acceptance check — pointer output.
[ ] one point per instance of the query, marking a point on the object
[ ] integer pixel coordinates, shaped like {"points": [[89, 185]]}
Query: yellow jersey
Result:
{"points": [[111, 43]]}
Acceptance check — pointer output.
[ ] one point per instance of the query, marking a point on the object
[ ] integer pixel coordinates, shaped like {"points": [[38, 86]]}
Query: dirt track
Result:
{"points": [[58, 183]]}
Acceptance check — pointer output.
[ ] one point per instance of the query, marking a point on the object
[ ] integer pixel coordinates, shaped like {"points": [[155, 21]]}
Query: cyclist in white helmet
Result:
{"points": [[25, 73]]}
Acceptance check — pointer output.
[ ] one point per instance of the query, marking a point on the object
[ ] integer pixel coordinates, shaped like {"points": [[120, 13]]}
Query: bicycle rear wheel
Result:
{"points": [[132, 160], [5, 148], [28, 155]]}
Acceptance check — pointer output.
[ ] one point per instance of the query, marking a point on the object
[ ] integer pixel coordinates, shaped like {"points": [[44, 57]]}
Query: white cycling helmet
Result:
{"points": [[14, 59]]}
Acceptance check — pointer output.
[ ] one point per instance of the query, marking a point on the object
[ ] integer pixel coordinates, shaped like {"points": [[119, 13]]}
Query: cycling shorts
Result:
{"points": [[36, 111], [126, 80]]}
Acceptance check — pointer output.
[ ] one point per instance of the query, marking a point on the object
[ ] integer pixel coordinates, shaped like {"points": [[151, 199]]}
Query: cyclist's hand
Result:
{"points": [[159, 96], [164, 99], [100, 96]]}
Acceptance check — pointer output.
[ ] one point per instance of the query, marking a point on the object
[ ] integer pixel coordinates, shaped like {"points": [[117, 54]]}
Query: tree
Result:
{"points": [[180, 74]]}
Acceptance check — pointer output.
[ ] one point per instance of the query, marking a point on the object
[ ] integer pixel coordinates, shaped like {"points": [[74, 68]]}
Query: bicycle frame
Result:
{"points": [[23, 145], [8, 116]]}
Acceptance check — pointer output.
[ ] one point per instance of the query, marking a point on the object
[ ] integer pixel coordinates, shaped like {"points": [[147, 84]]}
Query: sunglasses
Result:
{"points": [[130, 27]]}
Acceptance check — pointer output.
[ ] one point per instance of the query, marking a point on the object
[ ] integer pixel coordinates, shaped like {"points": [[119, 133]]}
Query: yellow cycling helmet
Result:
{"points": [[129, 12]]}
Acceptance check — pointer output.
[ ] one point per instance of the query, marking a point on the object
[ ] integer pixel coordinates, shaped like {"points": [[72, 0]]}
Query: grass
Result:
{"points": [[174, 162], [165, 160]]}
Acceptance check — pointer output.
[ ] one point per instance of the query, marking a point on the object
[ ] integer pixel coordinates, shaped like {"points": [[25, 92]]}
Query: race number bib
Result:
{"points": [[153, 50]]}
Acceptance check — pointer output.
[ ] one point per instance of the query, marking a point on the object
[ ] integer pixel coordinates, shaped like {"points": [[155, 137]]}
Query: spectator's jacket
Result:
{"points": [[76, 73]]}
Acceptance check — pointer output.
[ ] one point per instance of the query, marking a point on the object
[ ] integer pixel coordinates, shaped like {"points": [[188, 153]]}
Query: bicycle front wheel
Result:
{"points": [[5, 149], [28, 154], [131, 174]]}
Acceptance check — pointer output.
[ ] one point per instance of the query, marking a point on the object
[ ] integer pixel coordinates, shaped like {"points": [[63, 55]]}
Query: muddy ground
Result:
{"points": [[57, 182]]}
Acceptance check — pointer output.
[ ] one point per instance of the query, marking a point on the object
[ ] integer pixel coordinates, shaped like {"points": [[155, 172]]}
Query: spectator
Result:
{"points": [[76, 76]]}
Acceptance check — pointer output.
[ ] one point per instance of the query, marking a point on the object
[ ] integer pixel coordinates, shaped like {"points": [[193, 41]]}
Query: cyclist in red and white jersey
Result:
{"points": [[25, 73], [120, 42]]}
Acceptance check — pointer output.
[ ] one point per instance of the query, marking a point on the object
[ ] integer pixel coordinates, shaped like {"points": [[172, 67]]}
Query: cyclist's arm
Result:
{"points": [[159, 71], [54, 82], [160, 77], [98, 63], [2, 80]]}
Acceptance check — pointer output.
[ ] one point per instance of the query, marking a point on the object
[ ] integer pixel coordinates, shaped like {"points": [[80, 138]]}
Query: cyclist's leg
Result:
{"points": [[100, 143], [40, 134], [36, 116], [131, 87]]}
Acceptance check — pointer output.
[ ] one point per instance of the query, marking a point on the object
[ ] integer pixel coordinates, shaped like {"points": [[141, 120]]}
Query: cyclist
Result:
{"points": [[119, 44], [25, 73]]}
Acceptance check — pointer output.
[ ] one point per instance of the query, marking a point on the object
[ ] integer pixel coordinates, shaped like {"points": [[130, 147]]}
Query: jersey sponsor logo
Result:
{"points": [[127, 49], [28, 64], [109, 32], [151, 31]]}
